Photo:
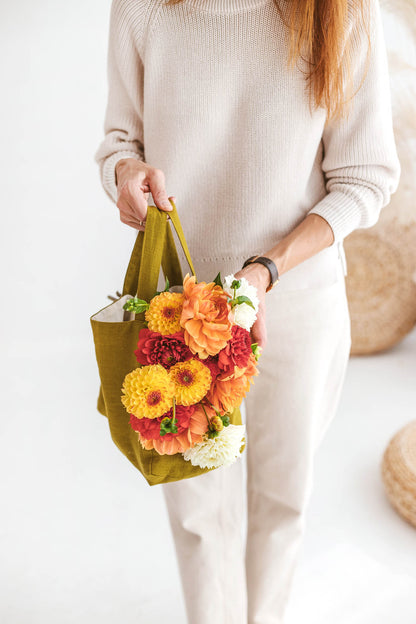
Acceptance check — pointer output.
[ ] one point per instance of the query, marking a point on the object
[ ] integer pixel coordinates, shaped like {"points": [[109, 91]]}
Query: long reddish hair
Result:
{"points": [[319, 36]]}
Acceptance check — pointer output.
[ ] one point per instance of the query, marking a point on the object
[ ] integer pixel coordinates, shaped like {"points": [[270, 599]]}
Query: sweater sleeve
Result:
{"points": [[123, 123], [360, 162]]}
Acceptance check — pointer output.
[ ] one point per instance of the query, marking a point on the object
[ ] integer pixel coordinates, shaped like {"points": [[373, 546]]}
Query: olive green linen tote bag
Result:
{"points": [[116, 332]]}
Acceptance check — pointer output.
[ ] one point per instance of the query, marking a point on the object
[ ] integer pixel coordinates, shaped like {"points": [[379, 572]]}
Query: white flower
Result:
{"points": [[244, 314], [222, 450]]}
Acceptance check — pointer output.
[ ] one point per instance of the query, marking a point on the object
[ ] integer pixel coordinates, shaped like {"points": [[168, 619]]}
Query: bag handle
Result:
{"points": [[155, 247], [132, 274], [181, 236]]}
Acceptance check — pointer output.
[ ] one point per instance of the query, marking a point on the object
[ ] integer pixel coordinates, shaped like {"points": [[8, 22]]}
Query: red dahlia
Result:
{"points": [[149, 428], [237, 352], [212, 363], [154, 348]]}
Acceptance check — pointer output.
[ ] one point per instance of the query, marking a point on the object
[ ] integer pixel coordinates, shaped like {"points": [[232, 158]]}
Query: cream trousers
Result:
{"points": [[227, 579]]}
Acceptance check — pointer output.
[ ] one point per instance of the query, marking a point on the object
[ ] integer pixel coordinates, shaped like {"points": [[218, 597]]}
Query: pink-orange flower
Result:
{"points": [[206, 317], [227, 393]]}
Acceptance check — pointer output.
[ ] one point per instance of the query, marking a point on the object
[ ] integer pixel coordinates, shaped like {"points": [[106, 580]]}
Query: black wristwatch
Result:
{"points": [[269, 264]]}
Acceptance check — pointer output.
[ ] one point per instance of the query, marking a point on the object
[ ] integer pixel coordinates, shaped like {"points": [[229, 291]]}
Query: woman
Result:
{"points": [[271, 122]]}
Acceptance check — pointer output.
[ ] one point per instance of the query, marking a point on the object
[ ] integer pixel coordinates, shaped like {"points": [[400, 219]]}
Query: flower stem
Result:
{"points": [[213, 407], [205, 414]]}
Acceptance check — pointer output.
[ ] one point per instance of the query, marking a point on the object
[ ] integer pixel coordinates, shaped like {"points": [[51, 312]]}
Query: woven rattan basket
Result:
{"points": [[398, 469], [381, 285]]}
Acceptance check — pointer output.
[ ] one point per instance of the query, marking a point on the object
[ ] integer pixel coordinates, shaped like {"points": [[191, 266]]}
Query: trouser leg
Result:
{"points": [[289, 407], [206, 515]]}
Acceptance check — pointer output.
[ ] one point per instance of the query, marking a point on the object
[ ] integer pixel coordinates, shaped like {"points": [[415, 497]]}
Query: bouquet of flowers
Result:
{"points": [[195, 365]]}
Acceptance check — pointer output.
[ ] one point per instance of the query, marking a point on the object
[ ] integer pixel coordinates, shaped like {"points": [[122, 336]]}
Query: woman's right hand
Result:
{"points": [[135, 179]]}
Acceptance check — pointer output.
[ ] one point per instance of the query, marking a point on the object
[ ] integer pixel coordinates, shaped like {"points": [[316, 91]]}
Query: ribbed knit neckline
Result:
{"points": [[225, 6]]}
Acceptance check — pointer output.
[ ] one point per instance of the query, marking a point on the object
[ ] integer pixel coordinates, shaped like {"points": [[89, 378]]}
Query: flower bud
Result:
{"points": [[216, 423]]}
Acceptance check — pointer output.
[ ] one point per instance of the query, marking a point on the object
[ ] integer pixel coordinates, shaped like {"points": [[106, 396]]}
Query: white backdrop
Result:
{"points": [[84, 539], [69, 498]]}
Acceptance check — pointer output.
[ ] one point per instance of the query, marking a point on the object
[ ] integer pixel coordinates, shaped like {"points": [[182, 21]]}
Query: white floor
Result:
{"points": [[84, 539], [347, 586], [358, 564]]}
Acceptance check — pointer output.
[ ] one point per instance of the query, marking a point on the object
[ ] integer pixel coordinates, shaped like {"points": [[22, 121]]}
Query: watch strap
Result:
{"points": [[269, 264]]}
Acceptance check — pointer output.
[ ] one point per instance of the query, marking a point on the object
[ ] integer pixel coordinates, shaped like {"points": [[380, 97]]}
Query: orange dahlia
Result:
{"points": [[206, 317], [192, 380], [164, 313], [226, 394], [148, 391], [198, 425]]}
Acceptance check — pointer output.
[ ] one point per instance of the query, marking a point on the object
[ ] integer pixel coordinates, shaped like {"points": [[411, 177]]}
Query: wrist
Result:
{"points": [[117, 167], [124, 163], [280, 255], [259, 272], [269, 265]]}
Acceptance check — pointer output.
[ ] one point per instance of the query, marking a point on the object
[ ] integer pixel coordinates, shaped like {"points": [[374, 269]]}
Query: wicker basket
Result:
{"points": [[398, 469]]}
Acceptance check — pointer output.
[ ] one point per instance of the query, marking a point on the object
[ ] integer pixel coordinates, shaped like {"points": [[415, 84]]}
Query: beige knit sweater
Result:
{"points": [[202, 91]]}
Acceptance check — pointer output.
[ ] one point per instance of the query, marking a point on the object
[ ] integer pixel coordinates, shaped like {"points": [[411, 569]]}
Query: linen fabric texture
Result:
{"points": [[116, 332]]}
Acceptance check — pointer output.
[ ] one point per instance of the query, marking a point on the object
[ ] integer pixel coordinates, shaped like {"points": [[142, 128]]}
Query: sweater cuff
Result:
{"points": [[341, 212], [108, 173]]}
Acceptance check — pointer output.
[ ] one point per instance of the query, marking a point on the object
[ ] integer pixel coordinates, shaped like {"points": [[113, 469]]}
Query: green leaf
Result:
{"points": [[135, 305], [218, 280], [167, 285], [242, 299], [135, 301], [137, 309], [256, 350]]}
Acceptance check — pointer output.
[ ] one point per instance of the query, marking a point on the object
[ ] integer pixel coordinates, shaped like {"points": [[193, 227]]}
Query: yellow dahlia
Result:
{"points": [[192, 381], [148, 391], [164, 313]]}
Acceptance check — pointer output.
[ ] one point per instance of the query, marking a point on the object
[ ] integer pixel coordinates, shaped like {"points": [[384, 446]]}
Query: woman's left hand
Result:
{"points": [[259, 276]]}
